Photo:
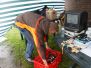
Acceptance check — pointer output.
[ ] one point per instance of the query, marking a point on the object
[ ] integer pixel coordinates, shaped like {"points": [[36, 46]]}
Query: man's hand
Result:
{"points": [[47, 46], [45, 63]]}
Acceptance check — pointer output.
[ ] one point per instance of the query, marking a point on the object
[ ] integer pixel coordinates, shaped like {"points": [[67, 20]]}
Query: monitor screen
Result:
{"points": [[72, 18], [76, 21]]}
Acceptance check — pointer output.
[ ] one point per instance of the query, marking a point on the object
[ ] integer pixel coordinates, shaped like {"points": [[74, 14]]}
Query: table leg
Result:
{"points": [[74, 65]]}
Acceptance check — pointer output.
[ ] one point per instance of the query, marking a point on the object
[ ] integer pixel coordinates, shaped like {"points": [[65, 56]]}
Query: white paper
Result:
{"points": [[87, 51]]}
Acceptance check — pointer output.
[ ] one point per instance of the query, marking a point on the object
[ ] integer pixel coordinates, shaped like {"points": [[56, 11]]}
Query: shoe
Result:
{"points": [[29, 60]]}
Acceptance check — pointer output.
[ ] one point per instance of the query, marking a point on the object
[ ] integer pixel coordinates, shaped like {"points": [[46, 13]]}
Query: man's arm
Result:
{"points": [[46, 41], [42, 53], [40, 47], [47, 45]]}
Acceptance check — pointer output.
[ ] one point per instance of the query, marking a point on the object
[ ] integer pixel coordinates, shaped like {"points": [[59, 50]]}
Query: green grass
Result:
{"points": [[19, 47]]}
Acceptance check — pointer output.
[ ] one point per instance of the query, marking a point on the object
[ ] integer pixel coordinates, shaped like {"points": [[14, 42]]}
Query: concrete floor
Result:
{"points": [[6, 57], [2, 39]]}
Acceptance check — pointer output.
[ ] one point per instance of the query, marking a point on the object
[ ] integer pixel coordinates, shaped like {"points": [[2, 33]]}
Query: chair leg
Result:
{"points": [[22, 38], [25, 41]]}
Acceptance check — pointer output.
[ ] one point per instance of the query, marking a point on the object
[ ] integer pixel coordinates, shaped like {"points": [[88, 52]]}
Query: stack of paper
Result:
{"points": [[87, 51]]}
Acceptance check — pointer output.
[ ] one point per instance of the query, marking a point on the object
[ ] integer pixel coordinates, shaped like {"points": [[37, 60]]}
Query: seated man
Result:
{"points": [[62, 17], [36, 28], [42, 11]]}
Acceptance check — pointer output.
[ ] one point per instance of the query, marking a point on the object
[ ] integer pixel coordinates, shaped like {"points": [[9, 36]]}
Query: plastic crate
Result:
{"points": [[38, 63]]}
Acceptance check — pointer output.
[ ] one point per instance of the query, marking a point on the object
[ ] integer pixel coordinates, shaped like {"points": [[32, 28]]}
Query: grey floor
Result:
{"points": [[6, 57]]}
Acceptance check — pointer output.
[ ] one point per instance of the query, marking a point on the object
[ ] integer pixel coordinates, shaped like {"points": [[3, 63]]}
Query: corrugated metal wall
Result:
{"points": [[10, 9]]}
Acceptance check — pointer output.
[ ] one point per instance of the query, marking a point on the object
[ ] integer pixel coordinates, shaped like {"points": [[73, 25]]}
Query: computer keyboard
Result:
{"points": [[83, 40]]}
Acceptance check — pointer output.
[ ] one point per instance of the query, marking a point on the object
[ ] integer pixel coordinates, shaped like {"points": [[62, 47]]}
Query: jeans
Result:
{"points": [[30, 42]]}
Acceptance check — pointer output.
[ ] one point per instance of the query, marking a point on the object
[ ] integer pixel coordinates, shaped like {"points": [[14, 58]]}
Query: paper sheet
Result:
{"points": [[87, 51]]}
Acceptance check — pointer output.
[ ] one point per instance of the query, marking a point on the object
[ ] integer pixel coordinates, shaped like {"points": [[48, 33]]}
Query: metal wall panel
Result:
{"points": [[10, 9]]}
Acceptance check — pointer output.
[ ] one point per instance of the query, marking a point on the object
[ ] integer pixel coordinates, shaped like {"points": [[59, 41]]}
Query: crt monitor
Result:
{"points": [[75, 21]]}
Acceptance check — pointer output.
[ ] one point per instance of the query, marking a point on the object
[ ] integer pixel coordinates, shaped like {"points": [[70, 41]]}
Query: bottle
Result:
{"points": [[62, 32], [51, 58]]}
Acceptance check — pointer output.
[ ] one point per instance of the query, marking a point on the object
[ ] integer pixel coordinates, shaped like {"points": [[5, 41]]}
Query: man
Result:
{"points": [[36, 28], [62, 17]]}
